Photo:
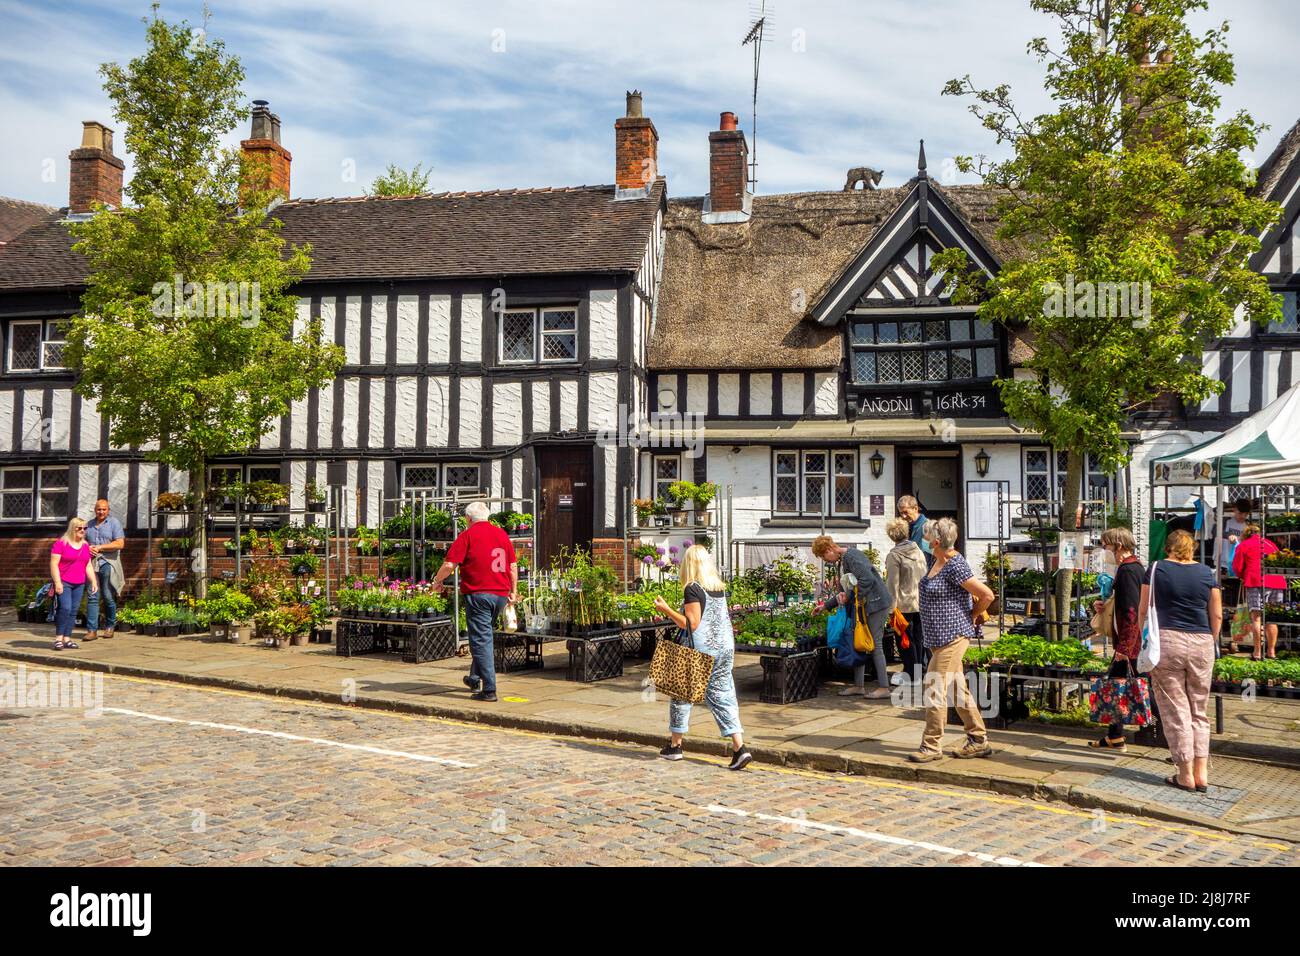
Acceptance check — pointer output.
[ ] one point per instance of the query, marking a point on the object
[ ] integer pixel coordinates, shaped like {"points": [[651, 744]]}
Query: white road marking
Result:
{"points": [[805, 824], [281, 735]]}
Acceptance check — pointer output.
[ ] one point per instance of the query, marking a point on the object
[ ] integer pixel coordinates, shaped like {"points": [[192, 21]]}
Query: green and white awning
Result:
{"points": [[1262, 450]]}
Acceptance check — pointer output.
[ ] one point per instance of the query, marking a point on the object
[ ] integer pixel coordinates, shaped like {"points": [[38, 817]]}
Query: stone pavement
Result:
{"points": [[1248, 794], [176, 774]]}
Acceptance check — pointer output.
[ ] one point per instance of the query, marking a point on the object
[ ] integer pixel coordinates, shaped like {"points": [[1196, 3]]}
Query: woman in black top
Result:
{"points": [[1129, 575]]}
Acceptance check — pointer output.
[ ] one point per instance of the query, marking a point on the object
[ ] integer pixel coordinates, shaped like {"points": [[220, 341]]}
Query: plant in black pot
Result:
{"points": [[315, 497], [304, 564], [267, 495]]}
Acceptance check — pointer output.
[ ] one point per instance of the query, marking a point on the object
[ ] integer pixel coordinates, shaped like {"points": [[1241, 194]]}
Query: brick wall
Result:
{"points": [[95, 175], [728, 172], [25, 560]]}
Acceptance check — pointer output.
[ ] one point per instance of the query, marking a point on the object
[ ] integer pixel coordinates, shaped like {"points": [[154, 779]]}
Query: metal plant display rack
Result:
{"points": [[272, 514], [718, 531]]}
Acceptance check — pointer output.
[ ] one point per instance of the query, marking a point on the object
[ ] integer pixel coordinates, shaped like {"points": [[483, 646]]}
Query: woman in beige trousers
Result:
{"points": [[1189, 614]]}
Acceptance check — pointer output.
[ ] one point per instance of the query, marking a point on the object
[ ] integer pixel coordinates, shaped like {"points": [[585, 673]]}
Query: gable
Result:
{"points": [[893, 269]]}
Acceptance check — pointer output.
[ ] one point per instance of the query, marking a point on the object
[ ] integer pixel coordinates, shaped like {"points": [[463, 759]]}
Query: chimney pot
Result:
{"points": [[636, 151], [95, 174], [263, 149], [728, 173]]}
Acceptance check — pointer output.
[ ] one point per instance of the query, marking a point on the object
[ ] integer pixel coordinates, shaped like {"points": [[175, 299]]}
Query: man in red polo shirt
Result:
{"points": [[489, 579]]}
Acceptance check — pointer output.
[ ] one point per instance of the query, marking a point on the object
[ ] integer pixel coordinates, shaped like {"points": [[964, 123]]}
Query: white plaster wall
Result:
{"points": [[408, 329], [301, 317], [325, 417], [298, 424], [471, 413], [1272, 366], [439, 328], [697, 394], [507, 414], [60, 419], [118, 484], [1241, 381], [327, 323], [297, 484], [729, 394], [603, 310], [437, 412], [351, 401], [377, 417], [568, 405], [602, 400], [541, 406], [7, 419], [611, 489], [270, 439], [471, 329], [792, 393], [826, 393], [352, 329], [90, 424], [760, 395], [374, 491], [87, 489], [32, 426], [378, 330], [1210, 362], [146, 490], [404, 411]]}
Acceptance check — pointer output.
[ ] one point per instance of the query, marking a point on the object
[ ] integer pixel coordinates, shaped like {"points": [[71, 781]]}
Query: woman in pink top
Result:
{"points": [[1257, 587], [71, 570]]}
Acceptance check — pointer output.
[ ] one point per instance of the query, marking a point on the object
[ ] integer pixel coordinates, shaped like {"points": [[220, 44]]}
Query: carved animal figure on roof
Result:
{"points": [[868, 177]]}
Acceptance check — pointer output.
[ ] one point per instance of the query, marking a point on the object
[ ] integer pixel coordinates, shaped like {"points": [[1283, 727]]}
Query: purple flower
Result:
{"points": [[647, 560], [687, 543], [660, 550], [674, 549]]}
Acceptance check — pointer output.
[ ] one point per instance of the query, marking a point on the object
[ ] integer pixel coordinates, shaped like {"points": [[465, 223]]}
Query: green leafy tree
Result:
{"points": [[1133, 179], [186, 336], [400, 182]]}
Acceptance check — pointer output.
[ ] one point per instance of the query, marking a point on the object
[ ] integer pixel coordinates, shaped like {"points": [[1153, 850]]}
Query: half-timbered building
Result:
{"points": [[489, 336]]}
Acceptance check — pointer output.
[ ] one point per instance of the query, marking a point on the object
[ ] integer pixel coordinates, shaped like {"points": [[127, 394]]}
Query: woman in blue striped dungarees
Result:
{"points": [[704, 614]]}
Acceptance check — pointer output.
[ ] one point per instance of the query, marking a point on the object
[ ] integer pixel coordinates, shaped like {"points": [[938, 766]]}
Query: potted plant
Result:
{"points": [[315, 496], [223, 497], [367, 540], [169, 501], [267, 495], [680, 494], [646, 510], [702, 497]]}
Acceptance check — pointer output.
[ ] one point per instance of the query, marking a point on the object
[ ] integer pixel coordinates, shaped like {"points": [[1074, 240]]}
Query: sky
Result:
{"points": [[494, 94]]}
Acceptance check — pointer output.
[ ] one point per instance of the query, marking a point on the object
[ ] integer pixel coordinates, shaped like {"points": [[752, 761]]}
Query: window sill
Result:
{"points": [[814, 522]]}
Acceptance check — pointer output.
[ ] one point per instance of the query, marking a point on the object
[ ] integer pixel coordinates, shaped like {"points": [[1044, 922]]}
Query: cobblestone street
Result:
{"points": [[170, 774]]}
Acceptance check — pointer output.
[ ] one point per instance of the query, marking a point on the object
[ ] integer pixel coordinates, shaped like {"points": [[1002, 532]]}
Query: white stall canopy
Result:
{"points": [[1264, 449]]}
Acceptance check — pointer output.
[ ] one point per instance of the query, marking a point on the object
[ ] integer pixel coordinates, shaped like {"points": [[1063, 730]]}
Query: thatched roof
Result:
{"points": [[1279, 161], [737, 295]]}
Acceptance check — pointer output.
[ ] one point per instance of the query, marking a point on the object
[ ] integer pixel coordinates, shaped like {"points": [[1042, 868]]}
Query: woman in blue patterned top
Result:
{"points": [[953, 606]]}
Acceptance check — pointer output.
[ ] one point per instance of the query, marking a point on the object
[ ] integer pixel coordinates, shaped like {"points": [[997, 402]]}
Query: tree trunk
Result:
{"points": [[198, 521], [1069, 522]]}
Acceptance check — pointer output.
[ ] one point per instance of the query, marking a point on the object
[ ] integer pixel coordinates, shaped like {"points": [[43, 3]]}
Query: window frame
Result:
{"points": [[829, 478], [1268, 334], [47, 340], [440, 488], [1056, 476], [30, 491], [925, 346], [9, 345], [656, 481], [540, 335], [40, 489]]}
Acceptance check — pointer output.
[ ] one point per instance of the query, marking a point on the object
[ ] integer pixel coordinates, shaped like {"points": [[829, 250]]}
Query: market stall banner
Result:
{"points": [[1262, 449]]}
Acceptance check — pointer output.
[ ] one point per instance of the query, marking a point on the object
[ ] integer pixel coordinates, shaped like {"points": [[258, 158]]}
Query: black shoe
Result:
{"points": [[671, 753], [473, 683], [740, 759], [483, 695]]}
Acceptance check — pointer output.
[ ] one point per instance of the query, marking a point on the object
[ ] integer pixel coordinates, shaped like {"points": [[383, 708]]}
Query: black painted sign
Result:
{"points": [[945, 403]]}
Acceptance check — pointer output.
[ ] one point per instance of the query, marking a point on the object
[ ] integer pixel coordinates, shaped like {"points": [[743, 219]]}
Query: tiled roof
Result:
{"points": [[443, 235], [17, 215]]}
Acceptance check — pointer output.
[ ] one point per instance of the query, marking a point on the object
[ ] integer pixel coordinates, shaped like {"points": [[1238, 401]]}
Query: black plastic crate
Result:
{"points": [[429, 641], [516, 651], [355, 637], [790, 677], [596, 658]]}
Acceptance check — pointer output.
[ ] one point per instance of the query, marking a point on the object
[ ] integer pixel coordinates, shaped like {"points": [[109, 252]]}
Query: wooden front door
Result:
{"points": [[564, 476]]}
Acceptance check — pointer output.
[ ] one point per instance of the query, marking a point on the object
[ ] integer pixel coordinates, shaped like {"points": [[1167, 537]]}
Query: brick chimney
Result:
{"points": [[729, 197], [266, 161], [96, 174], [636, 151]]}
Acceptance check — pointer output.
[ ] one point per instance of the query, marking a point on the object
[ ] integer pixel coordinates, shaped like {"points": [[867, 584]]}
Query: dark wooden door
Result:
{"points": [[564, 476]]}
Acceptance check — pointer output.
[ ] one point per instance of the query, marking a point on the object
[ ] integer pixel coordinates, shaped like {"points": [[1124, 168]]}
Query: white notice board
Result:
{"points": [[982, 509]]}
